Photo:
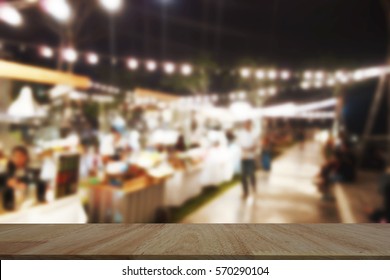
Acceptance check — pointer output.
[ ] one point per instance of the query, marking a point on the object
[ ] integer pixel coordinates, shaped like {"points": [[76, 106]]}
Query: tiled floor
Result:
{"points": [[286, 195]]}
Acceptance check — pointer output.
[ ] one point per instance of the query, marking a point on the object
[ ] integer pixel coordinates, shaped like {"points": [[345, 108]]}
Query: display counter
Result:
{"points": [[183, 185], [67, 210], [216, 168], [137, 201]]}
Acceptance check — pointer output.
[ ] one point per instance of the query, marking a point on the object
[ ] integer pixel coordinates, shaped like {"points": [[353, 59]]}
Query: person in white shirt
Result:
{"points": [[112, 146], [247, 139]]}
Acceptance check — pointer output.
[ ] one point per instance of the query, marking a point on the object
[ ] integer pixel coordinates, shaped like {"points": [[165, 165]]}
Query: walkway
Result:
{"points": [[286, 195]]}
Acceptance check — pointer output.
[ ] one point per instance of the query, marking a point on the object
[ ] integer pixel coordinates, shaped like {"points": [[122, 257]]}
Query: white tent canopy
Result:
{"points": [[25, 107]]}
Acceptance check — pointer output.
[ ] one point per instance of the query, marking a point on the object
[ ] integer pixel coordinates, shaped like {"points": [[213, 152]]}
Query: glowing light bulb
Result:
{"points": [[111, 5], [46, 52], [272, 74], [285, 75], [10, 15], [308, 75], [132, 63], [169, 68], [92, 58], [151, 65], [186, 69], [260, 74], [70, 55], [245, 72], [58, 9]]}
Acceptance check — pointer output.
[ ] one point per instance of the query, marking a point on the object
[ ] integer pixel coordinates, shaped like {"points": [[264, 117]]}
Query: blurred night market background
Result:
{"points": [[169, 110]]}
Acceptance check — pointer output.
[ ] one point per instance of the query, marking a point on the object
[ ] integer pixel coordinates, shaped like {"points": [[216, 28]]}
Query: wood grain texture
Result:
{"points": [[170, 241]]}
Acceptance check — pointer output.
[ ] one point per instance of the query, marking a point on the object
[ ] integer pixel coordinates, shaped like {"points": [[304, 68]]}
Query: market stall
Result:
{"points": [[137, 201]]}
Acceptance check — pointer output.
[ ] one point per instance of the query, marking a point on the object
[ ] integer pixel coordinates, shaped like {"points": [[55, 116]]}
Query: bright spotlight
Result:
{"points": [[92, 58], [70, 55], [305, 85], [186, 69], [260, 74], [10, 15], [340, 75], [272, 74], [272, 91], [245, 72], [169, 67], [58, 9], [132, 63], [111, 6], [308, 75], [285, 75], [331, 82], [46, 52], [151, 65], [319, 75]]}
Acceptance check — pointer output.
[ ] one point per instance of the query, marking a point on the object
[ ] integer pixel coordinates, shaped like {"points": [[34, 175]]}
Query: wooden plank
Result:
{"points": [[169, 241], [27, 73]]}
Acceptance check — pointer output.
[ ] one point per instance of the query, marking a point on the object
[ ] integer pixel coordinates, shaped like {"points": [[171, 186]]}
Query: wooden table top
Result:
{"points": [[176, 241]]}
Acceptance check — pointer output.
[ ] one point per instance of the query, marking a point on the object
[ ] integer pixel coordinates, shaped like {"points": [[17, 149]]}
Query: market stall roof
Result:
{"points": [[22, 72], [158, 95]]}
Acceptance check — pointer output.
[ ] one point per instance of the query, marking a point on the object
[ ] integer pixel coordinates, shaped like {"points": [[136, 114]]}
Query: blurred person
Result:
{"points": [[301, 137], [91, 163], [235, 152], [382, 215], [180, 145], [329, 147], [113, 146], [266, 153], [327, 176], [248, 141], [17, 176], [347, 163], [3, 160], [134, 140]]}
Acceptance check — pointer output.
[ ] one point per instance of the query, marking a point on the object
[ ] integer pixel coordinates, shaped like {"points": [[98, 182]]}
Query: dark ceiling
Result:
{"points": [[284, 32]]}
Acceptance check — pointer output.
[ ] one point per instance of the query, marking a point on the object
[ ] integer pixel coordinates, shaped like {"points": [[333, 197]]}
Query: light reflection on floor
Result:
{"points": [[286, 195]]}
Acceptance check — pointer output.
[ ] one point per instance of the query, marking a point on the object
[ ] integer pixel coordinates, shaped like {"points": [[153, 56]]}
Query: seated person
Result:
{"points": [[17, 176], [382, 215], [347, 168], [180, 145], [327, 176]]}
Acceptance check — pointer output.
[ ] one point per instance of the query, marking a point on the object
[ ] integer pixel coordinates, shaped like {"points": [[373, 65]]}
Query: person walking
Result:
{"points": [[248, 141]]}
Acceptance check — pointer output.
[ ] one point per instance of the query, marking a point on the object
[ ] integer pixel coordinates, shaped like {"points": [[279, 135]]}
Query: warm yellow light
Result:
{"points": [[272, 74], [21, 72], [285, 75], [132, 63], [186, 69], [305, 85], [260, 74], [308, 75], [151, 65], [245, 72], [169, 68]]}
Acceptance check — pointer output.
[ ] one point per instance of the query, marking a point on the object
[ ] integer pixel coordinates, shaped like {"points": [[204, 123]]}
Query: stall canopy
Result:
{"points": [[157, 95], [27, 73]]}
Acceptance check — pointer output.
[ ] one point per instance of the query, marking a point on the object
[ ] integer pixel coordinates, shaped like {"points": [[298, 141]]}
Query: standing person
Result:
{"points": [[266, 154], [301, 138], [113, 146], [17, 176], [382, 215], [248, 140]]}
